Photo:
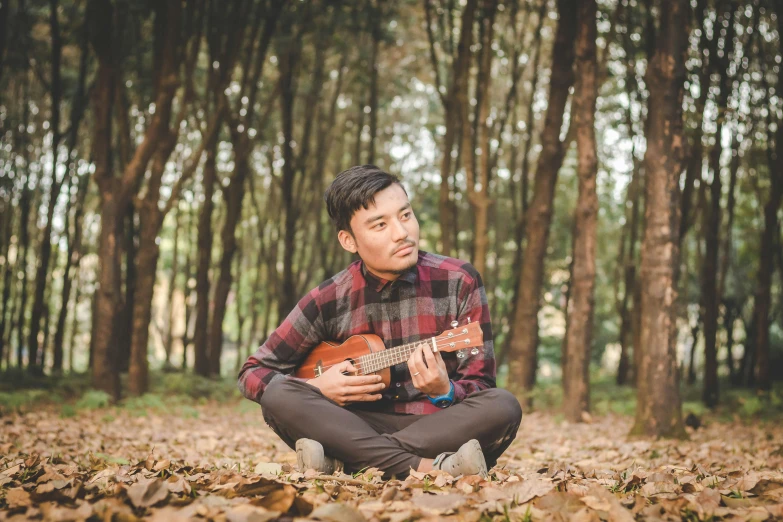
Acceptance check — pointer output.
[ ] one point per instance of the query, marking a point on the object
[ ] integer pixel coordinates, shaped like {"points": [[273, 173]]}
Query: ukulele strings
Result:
{"points": [[360, 367]]}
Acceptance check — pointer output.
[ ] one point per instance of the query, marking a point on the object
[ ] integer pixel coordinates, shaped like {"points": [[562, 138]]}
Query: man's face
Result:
{"points": [[385, 235]]}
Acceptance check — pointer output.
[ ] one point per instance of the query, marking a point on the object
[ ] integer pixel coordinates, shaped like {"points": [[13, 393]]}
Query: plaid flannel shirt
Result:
{"points": [[420, 304]]}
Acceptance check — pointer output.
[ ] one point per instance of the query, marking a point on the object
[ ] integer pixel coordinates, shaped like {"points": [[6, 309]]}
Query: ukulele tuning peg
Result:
{"points": [[454, 324]]}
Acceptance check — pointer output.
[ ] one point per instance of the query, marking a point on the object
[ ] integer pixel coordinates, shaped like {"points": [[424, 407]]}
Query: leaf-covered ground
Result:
{"points": [[219, 461]]}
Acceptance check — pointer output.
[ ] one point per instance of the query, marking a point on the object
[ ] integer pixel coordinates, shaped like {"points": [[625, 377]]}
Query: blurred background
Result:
{"points": [[163, 163]]}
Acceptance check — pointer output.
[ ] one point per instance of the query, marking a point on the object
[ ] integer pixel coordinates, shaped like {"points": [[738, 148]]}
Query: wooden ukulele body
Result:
{"points": [[328, 353]]}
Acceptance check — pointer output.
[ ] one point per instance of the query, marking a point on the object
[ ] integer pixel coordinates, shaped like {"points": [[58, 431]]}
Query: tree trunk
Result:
{"points": [[658, 411], [25, 205], [74, 238], [580, 311], [168, 345], [519, 217], [763, 300], [478, 194], [523, 358], [8, 269], [452, 110], [35, 362], [209, 177]]}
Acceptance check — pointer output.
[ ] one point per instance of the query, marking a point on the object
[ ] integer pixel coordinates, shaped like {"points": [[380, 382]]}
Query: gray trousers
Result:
{"points": [[392, 442]]}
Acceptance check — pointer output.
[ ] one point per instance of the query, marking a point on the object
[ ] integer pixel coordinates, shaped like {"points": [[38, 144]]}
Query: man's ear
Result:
{"points": [[347, 241]]}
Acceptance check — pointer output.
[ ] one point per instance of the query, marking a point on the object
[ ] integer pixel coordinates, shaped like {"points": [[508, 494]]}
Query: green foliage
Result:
{"points": [[94, 399]]}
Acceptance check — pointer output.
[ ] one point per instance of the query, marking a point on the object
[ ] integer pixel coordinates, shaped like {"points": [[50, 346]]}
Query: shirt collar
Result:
{"points": [[378, 283]]}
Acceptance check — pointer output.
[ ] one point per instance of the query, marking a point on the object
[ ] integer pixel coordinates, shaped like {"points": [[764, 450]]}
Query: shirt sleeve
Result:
{"points": [[475, 372], [285, 349]]}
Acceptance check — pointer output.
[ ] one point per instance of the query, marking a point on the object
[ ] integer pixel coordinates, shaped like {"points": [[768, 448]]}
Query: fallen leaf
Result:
{"points": [[147, 492], [280, 500], [522, 492], [439, 504], [250, 513], [599, 504], [17, 498], [337, 512], [268, 468]]}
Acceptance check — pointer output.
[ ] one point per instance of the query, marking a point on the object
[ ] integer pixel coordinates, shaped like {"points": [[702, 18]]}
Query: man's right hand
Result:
{"points": [[345, 389]]}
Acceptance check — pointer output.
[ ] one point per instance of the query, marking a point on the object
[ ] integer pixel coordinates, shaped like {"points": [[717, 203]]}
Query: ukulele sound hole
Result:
{"points": [[354, 364]]}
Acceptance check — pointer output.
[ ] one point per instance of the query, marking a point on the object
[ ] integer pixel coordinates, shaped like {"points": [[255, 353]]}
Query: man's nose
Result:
{"points": [[399, 231]]}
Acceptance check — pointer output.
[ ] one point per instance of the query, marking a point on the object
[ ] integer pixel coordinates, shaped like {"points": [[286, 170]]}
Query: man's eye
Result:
{"points": [[380, 226], [407, 214]]}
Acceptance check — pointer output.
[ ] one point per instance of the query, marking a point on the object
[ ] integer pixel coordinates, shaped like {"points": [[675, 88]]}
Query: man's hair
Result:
{"points": [[353, 188]]}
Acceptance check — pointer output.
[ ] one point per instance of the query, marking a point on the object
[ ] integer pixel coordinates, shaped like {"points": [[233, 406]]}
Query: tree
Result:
{"points": [[524, 331], [763, 298], [579, 331], [658, 410]]}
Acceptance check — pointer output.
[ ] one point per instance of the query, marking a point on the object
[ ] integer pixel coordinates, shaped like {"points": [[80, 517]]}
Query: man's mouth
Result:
{"points": [[405, 250]]}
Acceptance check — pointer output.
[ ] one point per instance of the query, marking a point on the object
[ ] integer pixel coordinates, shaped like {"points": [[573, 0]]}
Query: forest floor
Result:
{"points": [[176, 459]]}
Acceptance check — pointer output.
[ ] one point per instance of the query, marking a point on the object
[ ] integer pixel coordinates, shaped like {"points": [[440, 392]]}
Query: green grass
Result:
{"points": [[170, 392], [607, 397]]}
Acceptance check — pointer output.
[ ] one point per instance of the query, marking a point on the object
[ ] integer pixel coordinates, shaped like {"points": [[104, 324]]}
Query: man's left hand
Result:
{"points": [[428, 371]]}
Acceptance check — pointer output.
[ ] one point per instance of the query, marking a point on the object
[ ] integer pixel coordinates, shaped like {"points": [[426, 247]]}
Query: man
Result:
{"points": [[403, 295]]}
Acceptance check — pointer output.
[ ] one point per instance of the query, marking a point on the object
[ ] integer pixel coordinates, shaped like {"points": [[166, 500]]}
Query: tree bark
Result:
{"points": [[116, 191], [8, 269], [35, 362], [580, 311], [452, 110], [763, 299], [74, 237], [478, 193], [658, 411], [523, 359], [234, 194], [709, 295], [25, 205], [209, 176]]}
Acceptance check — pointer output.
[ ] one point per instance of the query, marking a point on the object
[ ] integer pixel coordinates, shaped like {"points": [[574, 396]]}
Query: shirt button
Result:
{"points": [[396, 396], [399, 384]]}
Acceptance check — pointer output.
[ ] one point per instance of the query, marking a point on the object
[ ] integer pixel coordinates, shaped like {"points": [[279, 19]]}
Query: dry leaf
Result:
{"points": [[17, 498], [146, 493], [269, 468], [522, 492], [280, 500], [439, 504], [337, 512], [250, 513]]}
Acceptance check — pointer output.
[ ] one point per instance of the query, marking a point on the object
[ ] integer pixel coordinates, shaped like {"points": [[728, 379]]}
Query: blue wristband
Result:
{"points": [[444, 401]]}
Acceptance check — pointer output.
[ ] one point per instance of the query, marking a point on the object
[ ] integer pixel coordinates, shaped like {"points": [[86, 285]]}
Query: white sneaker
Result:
{"points": [[310, 455], [468, 460]]}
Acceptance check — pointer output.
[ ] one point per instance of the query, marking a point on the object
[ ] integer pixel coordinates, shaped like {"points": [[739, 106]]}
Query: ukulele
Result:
{"points": [[369, 355]]}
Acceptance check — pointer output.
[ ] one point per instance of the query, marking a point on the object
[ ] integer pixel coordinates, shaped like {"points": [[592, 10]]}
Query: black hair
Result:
{"points": [[353, 188]]}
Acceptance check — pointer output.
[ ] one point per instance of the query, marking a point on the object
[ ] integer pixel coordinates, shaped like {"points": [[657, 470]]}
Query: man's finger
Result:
{"points": [[429, 357], [362, 398], [361, 380], [346, 366], [439, 360], [361, 390], [413, 363]]}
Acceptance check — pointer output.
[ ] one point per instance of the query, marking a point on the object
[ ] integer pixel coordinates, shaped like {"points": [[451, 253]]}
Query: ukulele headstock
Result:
{"points": [[469, 335]]}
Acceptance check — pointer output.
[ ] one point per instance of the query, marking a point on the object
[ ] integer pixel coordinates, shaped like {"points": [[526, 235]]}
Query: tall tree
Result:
{"points": [[450, 99], [523, 359], [658, 411], [579, 330], [116, 192], [243, 118], [478, 186], [42, 267], [709, 294], [769, 236]]}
